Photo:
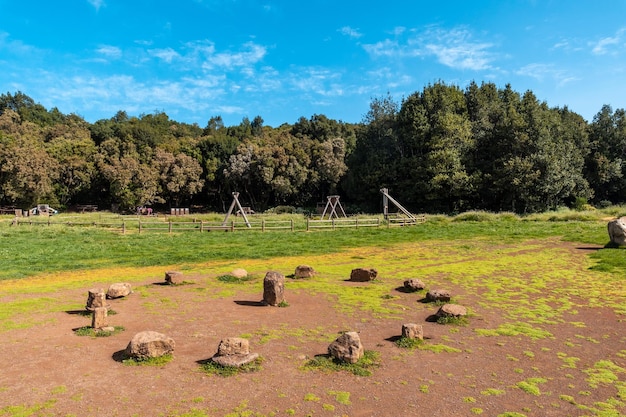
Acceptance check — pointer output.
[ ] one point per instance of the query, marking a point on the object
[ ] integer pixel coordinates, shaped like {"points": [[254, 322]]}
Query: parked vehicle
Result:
{"points": [[42, 210]]}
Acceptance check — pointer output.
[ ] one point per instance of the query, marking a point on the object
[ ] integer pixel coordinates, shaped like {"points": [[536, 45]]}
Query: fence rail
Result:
{"points": [[139, 225]]}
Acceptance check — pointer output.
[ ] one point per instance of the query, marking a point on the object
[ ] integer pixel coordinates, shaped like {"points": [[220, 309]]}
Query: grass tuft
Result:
{"points": [[91, 332], [363, 367], [158, 361], [212, 368]]}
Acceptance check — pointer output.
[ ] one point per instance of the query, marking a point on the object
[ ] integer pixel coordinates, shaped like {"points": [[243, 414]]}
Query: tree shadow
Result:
{"points": [[250, 303]]}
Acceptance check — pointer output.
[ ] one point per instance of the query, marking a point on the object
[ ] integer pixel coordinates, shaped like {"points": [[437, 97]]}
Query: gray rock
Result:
{"points": [[304, 271], [235, 360], [347, 348], [174, 277], [617, 231], [273, 288], [149, 344], [451, 310], [438, 295], [96, 298], [99, 318], [413, 331], [239, 273], [233, 346]]}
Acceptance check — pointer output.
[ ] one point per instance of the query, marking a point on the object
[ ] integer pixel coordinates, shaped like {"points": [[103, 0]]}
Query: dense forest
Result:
{"points": [[444, 149]]}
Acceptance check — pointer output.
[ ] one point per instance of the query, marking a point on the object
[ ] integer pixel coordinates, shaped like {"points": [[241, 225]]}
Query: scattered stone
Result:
{"points": [[233, 346], [149, 344], [119, 290], [413, 331], [96, 298], [99, 318], [363, 274], [239, 273], [107, 329], [304, 271], [234, 351], [174, 277], [414, 284], [438, 295], [273, 288], [451, 310], [617, 231], [347, 348]]}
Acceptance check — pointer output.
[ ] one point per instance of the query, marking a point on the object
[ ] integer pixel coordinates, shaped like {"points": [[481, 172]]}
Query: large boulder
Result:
{"points": [[347, 348], [119, 290], [617, 231], [174, 277], [273, 288], [413, 331], [234, 351], [149, 344], [451, 310], [363, 274]]}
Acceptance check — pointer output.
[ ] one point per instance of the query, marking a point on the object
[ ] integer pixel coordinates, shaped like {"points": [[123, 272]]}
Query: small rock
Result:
{"points": [[174, 277], [233, 346], [149, 344], [239, 273], [235, 360], [413, 285], [119, 289], [413, 331], [347, 348], [96, 298], [304, 271], [438, 295], [451, 310], [363, 274], [273, 288]]}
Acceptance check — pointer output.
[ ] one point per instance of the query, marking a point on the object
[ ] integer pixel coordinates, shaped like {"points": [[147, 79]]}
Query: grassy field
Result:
{"points": [[511, 268]]}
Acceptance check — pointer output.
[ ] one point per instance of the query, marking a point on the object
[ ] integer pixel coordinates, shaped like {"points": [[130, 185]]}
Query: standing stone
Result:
{"points": [[347, 348], [617, 231], [438, 295], [273, 288], [413, 285], [99, 318], [174, 277], [96, 298], [149, 344], [413, 331], [304, 271], [119, 290], [363, 274]]}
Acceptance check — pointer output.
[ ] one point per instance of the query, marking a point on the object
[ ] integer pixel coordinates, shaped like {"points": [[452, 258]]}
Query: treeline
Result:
{"points": [[443, 149]]}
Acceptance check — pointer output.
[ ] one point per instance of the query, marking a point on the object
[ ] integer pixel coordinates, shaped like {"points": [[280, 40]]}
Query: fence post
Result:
{"points": [[378, 222], [333, 223], [232, 226], [123, 228], [170, 226], [201, 223], [292, 225], [307, 224], [263, 225], [356, 223], [139, 226]]}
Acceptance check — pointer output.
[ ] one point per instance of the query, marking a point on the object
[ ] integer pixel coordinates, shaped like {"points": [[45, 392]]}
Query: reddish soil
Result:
{"points": [[50, 366]]}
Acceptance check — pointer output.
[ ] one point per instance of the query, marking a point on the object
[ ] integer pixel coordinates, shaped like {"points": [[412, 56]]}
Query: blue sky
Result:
{"points": [[283, 59]]}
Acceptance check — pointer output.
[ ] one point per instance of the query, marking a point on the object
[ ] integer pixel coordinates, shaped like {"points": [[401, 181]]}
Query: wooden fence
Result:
{"points": [[139, 225]]}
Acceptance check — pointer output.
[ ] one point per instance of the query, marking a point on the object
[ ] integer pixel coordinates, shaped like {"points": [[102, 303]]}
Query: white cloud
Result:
{"points": [[252, 55], [610, 43], [167, 54], [454, 48], [350, 32], [110, 51], [542, 72], [97, 3]]}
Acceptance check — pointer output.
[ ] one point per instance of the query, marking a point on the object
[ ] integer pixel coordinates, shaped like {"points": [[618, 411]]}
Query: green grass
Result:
{"points": [[363, 367], [157, 361], [91, 332]]}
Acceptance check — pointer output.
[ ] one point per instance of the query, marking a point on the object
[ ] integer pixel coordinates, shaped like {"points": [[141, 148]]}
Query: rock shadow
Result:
{"points": [[79, 312], [432, 318], [120, 356], [250, 303], [406, 290]]}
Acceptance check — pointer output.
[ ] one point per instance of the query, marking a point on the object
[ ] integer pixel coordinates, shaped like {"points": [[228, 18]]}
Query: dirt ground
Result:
{"points": [[48, 370]]}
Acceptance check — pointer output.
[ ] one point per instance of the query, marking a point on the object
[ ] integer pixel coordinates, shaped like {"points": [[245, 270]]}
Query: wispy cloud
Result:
{"points": [[110, 51], [610, 44], [251, 54], [542, 72], [97, 3], [455, 48], [167, 54], [350, 32]]}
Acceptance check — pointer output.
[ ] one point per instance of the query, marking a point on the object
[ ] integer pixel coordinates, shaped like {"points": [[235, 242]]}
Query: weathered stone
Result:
{"points": [[233, 346], [239, 273], [119, 289], [347, 348], [304, 271], [107, 329], [96, 298], [414, 284], [617, 231], [174, 277], [273, 288], [438, 295], [235, 360], [149, 344], [363, 274], [451, 310], [99, 318], [413, 331]]}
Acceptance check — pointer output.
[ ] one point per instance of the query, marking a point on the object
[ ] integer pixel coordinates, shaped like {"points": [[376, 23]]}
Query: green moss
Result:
{"points": [[212, 368], [363, 367], [157, 361]]}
